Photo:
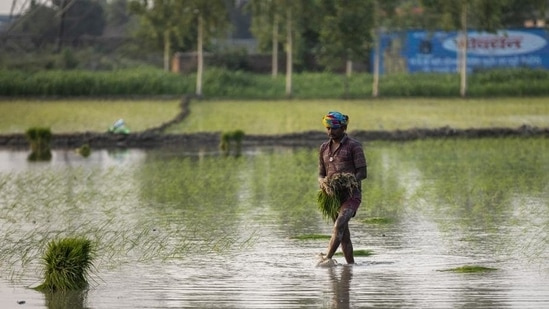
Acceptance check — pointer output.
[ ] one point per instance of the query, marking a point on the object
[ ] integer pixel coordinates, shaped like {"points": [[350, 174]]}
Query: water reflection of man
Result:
{"points": [[341, 298], [341, 154]]}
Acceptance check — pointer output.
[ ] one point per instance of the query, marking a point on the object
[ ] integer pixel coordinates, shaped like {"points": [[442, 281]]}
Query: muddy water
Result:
{"points": [[198, 230]]}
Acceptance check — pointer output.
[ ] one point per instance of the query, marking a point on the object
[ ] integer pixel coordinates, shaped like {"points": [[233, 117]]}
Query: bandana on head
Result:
{"points": [[335, 120]]}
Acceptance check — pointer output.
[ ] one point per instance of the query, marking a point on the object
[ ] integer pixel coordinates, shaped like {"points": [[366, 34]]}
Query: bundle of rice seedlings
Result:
{"points": [[39, 139], [227, 138], [67, 263], [84, 151], [332, 190]]}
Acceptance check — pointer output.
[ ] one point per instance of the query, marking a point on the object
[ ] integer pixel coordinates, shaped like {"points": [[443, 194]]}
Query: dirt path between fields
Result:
{"points": [[154, 137]]}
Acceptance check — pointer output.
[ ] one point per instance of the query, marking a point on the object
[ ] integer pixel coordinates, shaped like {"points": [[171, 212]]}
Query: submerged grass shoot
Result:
{"points": [[360, 252], [311, 236], [377, 220], [470, 269]]}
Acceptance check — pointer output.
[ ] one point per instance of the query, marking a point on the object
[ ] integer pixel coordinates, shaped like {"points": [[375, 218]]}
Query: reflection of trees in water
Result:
{"points": [[532, 242], [284, 185], [475, 188], [384, 190], [222, 192], [208, 184], [195, 197], [475, 179]]}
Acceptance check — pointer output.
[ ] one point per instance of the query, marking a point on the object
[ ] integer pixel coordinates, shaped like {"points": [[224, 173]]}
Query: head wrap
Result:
{"points": [[335, 120]]}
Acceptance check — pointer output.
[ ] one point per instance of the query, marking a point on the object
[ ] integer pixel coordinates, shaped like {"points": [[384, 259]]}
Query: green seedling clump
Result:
{"points": [[67, 263], [39, 139], [228, 138], [470, 269]]}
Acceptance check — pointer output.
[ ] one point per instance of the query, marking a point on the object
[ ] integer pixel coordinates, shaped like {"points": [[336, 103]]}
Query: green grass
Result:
{"points": [[83, 115], [470, 269], [39, 76], [360, 252], [278, 117], [377, 220], [311, 237], [271, 116]]}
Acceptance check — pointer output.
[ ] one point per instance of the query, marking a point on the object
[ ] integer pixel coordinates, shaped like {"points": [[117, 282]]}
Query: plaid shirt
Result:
{"points": [[347, 158]]}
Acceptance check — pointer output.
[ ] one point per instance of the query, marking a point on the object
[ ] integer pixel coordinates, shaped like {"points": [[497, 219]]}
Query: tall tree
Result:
{"points": [[118, 18], [461, 15], [517, 12], [385, 16], [377, 51], [289, 49], [276, 19], [40, 22], [162, 20], [345, 33], [293, 13], [266, 17], [212, 19], [78, 18], [351, 29]]}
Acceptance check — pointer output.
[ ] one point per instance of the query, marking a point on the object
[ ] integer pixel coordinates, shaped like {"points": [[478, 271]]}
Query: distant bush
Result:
{"points": [[229, 84], [89, 83]]}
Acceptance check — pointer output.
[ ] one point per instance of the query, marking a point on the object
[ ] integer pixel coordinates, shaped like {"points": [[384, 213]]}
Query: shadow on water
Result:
{"points": [[200, 230]]}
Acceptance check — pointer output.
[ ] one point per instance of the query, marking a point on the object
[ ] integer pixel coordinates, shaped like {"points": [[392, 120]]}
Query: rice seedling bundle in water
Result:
{"points": [[67, 264], [39, 139], [332, 190]]}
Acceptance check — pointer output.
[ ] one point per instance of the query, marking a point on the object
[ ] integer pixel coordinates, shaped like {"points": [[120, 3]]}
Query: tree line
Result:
{"points": [[336, 32]]}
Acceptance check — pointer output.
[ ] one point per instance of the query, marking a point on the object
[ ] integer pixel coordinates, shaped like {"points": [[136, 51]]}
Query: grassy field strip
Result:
{"points": [[65, 116], [273, 117]]}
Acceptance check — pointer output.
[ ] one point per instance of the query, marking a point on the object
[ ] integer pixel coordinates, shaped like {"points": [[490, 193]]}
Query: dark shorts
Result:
{"points": [[351, 203]]}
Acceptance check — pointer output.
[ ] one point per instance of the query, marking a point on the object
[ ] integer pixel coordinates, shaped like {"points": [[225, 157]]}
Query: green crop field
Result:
{"points": [[273, 116], [68, 115]]}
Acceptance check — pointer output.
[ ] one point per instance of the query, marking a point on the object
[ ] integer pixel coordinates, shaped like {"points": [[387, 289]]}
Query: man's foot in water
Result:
{"points": [[324, 261]]}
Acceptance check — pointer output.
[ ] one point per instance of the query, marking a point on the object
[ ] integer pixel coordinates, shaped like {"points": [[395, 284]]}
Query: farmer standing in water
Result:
{"points": [[341, 155]]}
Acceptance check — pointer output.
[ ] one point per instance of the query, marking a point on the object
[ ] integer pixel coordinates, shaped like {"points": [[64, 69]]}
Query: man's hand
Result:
{"points": [[323, 184]]}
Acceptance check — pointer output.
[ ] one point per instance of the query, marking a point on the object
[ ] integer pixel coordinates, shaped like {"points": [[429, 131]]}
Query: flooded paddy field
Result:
{"points": [[196, 229]]}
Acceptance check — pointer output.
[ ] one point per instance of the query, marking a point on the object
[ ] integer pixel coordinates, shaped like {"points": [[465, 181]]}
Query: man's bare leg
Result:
{"points": [[341, 234], [347, 246]]}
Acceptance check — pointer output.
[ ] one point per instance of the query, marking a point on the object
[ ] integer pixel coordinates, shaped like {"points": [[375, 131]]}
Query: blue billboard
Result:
{"points": [[424, 51]]}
